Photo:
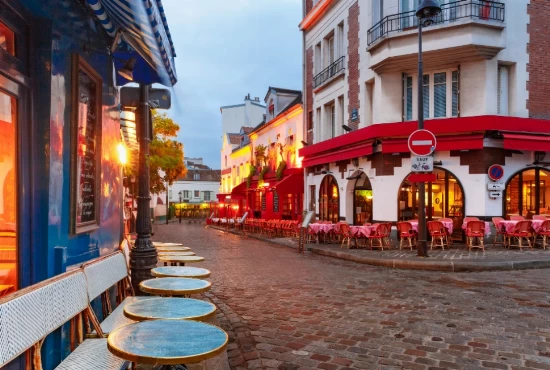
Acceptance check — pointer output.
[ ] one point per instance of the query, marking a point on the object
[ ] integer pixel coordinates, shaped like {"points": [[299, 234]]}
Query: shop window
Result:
{"points": [[287, 205], [7, 39], [527, 193], [8, 194], [329, 200]]}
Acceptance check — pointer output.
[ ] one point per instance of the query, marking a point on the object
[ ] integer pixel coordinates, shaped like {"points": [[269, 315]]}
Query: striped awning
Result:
{"points": [[144, 28]]}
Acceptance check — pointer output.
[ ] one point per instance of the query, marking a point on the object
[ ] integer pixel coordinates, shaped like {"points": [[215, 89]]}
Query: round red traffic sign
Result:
{"points": [[496, 172], [422, 142]]}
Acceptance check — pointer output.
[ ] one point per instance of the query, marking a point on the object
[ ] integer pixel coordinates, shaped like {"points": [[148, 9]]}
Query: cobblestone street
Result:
{"points": [[288, 311]]}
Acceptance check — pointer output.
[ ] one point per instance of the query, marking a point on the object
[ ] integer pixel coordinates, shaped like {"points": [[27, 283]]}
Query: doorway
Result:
{"points": [[362, 198]]}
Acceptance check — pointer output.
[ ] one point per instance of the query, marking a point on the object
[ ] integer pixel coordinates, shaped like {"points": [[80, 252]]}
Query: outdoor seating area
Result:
{"points": [[521, 233], [272, 228], [168, 329]]}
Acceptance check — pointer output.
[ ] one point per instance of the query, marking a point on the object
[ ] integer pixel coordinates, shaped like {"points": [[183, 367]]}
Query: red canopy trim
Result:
{"points": [[526, 142]]}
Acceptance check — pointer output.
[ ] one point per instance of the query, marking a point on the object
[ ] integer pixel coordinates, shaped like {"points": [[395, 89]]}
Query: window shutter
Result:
{"points": [[440, 94], [426, 95], [408, 98], [455, 93]]}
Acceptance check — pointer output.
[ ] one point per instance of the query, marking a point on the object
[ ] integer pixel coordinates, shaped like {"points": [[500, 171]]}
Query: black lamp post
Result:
{"points": [[181, 200], [425, 12], [143, 255]]}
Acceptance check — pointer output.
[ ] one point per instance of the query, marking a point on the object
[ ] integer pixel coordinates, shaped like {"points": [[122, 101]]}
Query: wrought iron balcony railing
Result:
{"points": [[328, 72], [450, 12]]}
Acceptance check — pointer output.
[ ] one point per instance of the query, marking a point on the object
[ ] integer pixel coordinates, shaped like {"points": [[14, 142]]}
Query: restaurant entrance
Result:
{"points": [[444, 199], [362, 198]]}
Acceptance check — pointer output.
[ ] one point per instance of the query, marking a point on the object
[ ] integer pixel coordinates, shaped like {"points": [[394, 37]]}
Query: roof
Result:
{"points": [[234, 138], [204, 175], [297, 100], [247, 130], [280, 90], [231, 106]]}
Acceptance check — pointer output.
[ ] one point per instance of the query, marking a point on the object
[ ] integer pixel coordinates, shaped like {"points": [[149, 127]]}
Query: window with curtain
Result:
{"points": [[440, 93]]}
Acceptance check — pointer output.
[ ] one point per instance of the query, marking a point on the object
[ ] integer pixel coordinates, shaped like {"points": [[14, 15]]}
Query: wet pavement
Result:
{"points": [[284, 310]]}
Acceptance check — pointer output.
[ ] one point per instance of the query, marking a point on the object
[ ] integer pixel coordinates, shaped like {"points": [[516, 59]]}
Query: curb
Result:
{"points": [[413, 264]]}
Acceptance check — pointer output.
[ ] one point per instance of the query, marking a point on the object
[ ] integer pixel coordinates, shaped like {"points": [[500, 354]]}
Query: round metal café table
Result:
{"points": [[173, 249], [182, 260], [170, 309], [180, 271], [167, 342], [173, 286], [161, 244], [163, 253]]}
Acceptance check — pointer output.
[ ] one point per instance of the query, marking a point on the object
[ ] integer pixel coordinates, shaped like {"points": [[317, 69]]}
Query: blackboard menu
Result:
{"points": [[263, 202], [86, 148], [275, 202]]}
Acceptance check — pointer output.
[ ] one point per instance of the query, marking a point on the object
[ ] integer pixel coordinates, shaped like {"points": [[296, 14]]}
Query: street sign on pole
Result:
{"points": [[422, 143], [422, 164]]}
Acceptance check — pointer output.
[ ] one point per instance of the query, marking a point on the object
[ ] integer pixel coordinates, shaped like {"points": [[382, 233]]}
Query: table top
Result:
{"points": [[169, 308], [178, 253], [167, 342], [180, 271], [161, 244], [174, 286], [184, 259], [173, 249]]}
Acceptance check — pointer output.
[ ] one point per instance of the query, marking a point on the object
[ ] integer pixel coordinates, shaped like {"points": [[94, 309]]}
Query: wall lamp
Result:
{"points": [[304, 143], [347, 128]]}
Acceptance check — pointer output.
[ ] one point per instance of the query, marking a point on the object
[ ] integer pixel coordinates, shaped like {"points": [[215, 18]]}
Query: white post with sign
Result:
{"points": [[422, 164]]}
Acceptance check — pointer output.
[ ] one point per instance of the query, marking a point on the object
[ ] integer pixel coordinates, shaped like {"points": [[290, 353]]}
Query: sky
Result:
{"points": [[226, 49]]}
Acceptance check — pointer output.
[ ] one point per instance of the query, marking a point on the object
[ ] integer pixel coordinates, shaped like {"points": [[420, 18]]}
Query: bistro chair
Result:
{"points": [[540, 217], [521, 231], [382, 235], [517, 218], [438, 234], [406, 232], [468, 219], [449, 234], [475, 230], [499, 231], [345, 232], [544, 231]]}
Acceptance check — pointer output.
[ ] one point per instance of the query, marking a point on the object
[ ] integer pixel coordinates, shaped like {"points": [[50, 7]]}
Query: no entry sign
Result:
{"points": [[422, 142]]}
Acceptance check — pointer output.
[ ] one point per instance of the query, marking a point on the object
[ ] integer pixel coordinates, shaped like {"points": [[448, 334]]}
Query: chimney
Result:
{"points": [[256, 99]]}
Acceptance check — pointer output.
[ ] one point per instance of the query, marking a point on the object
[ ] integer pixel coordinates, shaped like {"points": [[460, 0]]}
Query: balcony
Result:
{"points": [[330, 73], [465, 30]]}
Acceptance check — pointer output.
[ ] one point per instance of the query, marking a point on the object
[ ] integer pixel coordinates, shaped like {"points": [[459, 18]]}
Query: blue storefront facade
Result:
{"points": [[60, 177]]}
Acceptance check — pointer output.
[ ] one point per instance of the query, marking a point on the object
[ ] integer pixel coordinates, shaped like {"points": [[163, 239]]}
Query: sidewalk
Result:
{"points": [[456, 259]]}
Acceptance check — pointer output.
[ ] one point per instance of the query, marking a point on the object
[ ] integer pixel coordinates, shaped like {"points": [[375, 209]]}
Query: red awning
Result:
{"points": [[340, 155], [221, 196], [448, 142], [526, 142], [293, 184], [239, 189]]}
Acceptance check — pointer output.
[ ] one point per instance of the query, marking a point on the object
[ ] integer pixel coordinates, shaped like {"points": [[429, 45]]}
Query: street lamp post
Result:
{"points": [[425, 12], [181, 200]]}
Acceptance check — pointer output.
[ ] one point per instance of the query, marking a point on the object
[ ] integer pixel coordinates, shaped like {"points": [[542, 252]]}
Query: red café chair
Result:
{"points": [[499, 231], [475, 230], [382, 235], [544, 231], [521, 230], [406, 232], [345, 232], [438, 234]]}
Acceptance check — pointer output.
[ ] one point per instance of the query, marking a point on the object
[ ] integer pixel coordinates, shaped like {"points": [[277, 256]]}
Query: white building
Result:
{"points": [[248, 114], [197, 191], [483, 87]]}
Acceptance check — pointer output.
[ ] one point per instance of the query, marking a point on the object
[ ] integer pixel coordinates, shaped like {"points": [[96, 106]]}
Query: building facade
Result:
{"points": [[261, 170], [485, 98], [197, 192]]}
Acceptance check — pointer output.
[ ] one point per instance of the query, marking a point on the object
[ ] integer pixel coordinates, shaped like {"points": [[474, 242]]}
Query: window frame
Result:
{"points": [[431, 94], [196, 194]]}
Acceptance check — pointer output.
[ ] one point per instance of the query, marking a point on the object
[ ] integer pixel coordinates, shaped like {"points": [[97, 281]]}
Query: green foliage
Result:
{"points": [[166, 154], [260, 155], [280, 169], [261, 177], [251, 173]]}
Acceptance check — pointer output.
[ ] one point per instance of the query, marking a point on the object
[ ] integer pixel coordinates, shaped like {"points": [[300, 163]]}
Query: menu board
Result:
{"points": [[275, 202], [86, 148], [263, 202]]}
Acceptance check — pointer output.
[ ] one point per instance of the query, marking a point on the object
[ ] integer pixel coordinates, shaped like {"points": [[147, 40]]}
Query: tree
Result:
{"points": [[166, 155], [260, 154]]}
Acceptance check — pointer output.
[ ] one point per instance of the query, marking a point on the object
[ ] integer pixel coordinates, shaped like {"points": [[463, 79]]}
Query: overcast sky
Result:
{"points": [[225, 50]]}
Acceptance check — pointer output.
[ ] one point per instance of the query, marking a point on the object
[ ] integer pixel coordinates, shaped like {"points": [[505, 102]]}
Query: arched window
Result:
{"points": [[528, 193], [329, 200]]}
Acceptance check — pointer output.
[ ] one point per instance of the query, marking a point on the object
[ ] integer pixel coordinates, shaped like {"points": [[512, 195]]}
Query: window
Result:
{"points": [[169, 194], [186, 194], [196, 176], [526, 193], [440, 94], [502, 90], [408, 98], [8, 191], [7, 39], [331, 119], [330, 44], [329, 205], [197, 194], [341, 110], [318, 120], [340, 44], [312, 197], [318, 59], [206, 195]]}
